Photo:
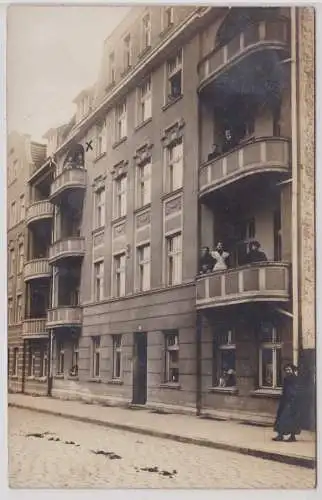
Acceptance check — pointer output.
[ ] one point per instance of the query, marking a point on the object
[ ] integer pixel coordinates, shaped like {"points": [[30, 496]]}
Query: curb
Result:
{"points": [[300, 461]]}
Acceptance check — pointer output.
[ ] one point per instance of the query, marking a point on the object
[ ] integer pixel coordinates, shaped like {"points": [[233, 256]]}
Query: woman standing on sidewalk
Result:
{"points": [[288, 415]]}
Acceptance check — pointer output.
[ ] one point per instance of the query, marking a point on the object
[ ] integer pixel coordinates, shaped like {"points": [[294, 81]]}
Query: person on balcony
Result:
{"points": [[215, 152], [229, 141], [207, 262], [255, 254], [220, 256]]}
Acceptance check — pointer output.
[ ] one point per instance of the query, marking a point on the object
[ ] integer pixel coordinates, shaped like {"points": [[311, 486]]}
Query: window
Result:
{"points": [[112, 68], [20, 258], [145, 101], [120, 191], [119, 275], [127, 52], [99, 202], [245, 232], [101, 140], [174, 166], [12, 259], [15, 358], [60, 358], [121, 121], [144, 264], [167, 17], [13, 214], [10, 311], [96, 356], [31, 362], [224, 359], [270, 357], [75, 357], [174, 76], [99, 281], [22, 207], [174, 259], [144, 184], [19, 309], [146, 31], [43, 363], [117, 356], [171, 357]]}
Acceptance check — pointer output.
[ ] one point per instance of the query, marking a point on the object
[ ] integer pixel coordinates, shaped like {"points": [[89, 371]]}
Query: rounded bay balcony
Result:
{"points": [[37, 268], [40, 210], [258, 282], [67, 247], [251, 158], [260, 42], [70, 178], [64, 316], [34, 328]]}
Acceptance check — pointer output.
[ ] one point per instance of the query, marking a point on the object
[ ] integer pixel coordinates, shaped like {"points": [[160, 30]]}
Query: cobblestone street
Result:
{"points": [[61, 454]]}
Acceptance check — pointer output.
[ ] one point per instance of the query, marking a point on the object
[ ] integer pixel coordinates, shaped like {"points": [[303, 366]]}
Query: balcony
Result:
{"points": [[69, 179], [260, 39], [37, 268], [40, 210], [34, 328], [260, 282], [69, 247], [64, 316], [258, 156]]}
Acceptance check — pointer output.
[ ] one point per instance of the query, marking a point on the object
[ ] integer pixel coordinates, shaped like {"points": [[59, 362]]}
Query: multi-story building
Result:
{"points": [[199, 129]]}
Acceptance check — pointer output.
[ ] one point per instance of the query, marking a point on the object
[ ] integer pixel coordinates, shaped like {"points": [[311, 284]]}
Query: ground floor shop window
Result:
{"points": [[74, 369], [171, 357], [15, 361], [96, 346], [60, 358], [224, 358], [117, 354], [270, 357], [44, 363], [31, 362]]}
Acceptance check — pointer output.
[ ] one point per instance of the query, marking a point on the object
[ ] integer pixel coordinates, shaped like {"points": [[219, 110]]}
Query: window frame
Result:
{"points": [[167, 358], [96, 356], [101, 140], [98, 280], [60, 358], [144, 180], [12, 261], [120, 196], [22, 213], [99, 207], [21, 257], [144, 96], [274, 345], [167, 21], [19, 310], [174, 66], [127, 52], [173, 162], [121, 121], [146, 28], [142, 265], [31, 363], [11, 319], [170, 255], [112, 68], [118, 271], [218, 348], [43, 363], [15, 362], [117, 357]]}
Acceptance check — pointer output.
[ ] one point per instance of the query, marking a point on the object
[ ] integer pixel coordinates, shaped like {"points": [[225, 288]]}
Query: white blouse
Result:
{"points": [[220, 260]]}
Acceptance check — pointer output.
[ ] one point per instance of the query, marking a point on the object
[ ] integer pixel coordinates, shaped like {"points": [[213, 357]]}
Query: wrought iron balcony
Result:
{"points": [[258, 282]]}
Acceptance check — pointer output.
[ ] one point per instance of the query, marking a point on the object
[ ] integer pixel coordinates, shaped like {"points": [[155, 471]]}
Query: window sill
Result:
{"points": [[266, 393], [71, 377], [119, 141], [59, 376], [224, 390], [171, 102], [170, 385], [95, 380], [99, 157], [171, 194], [98, 230], [115, 381], [142, 124]]}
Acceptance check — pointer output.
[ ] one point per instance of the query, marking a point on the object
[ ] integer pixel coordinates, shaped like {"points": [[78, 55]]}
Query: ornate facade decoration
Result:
{"points": [[173, 206], [173, 134], [99, 182], [98, 239], [119, 230], [143, 154], [120, 169], [143, 220]]}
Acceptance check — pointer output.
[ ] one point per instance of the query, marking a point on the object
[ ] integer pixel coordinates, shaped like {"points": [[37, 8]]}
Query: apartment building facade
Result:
{"points": [[141, 179]]}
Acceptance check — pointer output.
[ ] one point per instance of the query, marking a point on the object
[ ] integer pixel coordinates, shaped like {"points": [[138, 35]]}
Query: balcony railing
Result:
{"points": [[39, 210], [69, 247], [34, 328], [265, 34], [37, 268], [64, 316], [69, 178], [260, 282], [267, 154]]}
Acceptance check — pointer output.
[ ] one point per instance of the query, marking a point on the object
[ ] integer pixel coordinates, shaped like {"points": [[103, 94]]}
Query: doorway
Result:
{"points": [[140, 368]]}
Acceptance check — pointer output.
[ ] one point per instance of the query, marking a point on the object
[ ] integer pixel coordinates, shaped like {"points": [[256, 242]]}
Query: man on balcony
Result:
{"points": [[255, 254]]}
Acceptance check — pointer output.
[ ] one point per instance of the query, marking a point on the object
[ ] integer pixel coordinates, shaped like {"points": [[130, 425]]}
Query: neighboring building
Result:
{"points": [[144, 176]]}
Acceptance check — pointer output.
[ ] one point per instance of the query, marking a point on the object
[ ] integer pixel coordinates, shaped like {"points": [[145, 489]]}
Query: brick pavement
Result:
{"points": [[50, 462], [231, 436]]}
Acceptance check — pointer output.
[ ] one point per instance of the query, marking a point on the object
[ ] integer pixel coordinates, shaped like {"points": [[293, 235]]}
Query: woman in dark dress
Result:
{"points": [[288, 415]]}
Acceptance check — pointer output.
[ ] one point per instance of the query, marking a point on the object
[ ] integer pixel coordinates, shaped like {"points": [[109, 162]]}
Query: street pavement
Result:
{"points": [[48, 451]]}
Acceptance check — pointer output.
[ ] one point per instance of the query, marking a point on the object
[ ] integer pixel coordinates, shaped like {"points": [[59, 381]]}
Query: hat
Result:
{"points": [[255, 243]]}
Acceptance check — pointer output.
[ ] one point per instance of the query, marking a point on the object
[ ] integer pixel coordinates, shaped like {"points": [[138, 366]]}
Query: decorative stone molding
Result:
{"points": [[119, 230], [99, 182], [98, 239], [143, 220], [173, 134], [143, 154], [173, 206], [120, 169]]}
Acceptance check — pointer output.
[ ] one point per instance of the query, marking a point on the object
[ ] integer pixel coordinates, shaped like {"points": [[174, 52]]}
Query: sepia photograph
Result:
{"points": [[161, 246]]}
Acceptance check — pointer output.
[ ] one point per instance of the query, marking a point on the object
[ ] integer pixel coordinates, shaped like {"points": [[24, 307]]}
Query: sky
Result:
{"points": [[53, 52]]}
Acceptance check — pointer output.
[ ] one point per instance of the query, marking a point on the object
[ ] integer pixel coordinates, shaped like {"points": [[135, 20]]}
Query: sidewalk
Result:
{"points": [[231, 436]]}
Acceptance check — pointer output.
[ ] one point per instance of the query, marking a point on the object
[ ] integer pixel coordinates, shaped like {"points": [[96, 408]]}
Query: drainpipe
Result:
{"points": [[50, 364], [295, 178]]}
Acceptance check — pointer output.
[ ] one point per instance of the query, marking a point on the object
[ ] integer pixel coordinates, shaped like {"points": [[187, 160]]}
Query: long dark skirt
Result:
{"points": [[288, 419]]}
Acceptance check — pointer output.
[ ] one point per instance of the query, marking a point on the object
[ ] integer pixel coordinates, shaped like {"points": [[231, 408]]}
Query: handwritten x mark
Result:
{"points": [[89, 146]]}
